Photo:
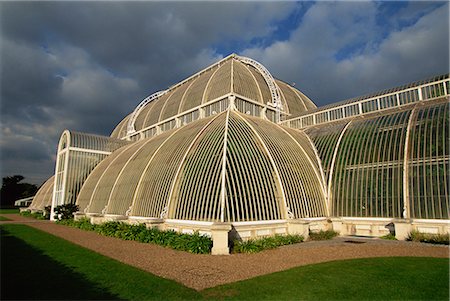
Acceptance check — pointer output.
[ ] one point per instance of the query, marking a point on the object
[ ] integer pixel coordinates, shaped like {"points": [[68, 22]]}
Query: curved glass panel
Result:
{"points": [[172, 104], [429, 158], [140, 119], [368, 172], [220, 83], [156, 180], [194, 94], [252, 193], [102, 190], [43, 197], [302, 187], [85, 195], [95, 142], [196, 194], [262, 85], [243, 82], [325, 140], [126, 183]]}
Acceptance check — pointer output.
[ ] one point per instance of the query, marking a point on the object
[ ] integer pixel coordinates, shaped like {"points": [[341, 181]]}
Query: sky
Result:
{"points": [[83, 66]]}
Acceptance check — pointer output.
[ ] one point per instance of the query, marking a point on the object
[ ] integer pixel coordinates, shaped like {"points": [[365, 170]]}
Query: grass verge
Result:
{"points": [[9, 211], [52, 268], [390, 278], [73, 272]]}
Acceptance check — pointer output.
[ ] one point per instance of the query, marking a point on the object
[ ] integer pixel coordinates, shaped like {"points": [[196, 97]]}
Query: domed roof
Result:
{"points": [[228, 167], [232, 75]]}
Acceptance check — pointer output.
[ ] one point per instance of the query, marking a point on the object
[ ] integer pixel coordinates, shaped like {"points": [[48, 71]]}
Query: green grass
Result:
{"points": [[39, 265], [391, 278], [9, 211], [2, 219], [52, 268]]}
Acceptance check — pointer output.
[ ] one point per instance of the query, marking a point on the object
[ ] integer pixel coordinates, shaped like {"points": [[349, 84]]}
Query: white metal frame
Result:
{"points": [[138, 109], [275, 91], [273, 87], [378, 108]]}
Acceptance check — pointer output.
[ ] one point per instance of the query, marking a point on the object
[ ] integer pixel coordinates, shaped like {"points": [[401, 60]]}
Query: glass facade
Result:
{"points": [[215, 148]]}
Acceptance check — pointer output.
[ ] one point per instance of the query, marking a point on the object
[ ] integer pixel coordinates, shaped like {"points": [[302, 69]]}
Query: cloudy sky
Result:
{"points": [[84, 65]]}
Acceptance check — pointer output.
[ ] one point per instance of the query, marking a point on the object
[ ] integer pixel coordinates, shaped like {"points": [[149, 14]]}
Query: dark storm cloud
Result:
{"points": [[141, 37], [85, 65]]}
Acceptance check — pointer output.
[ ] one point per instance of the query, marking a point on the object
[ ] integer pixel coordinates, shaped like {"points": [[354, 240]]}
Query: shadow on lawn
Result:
{"points": [[28, 274]]}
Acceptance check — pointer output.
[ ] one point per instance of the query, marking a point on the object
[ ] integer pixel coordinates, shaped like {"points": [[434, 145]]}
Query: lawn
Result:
{"points": [[392, 278], [9, 211], [72, 272], [53, 268], [2, 219]]}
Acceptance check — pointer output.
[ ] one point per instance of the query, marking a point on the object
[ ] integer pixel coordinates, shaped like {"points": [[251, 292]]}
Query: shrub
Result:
{"points": [[323, 235], [65, 211], [83, 224], [25, 213], [193, 243], [271, 242], [36, 215], [389, 236], [442, 239]]}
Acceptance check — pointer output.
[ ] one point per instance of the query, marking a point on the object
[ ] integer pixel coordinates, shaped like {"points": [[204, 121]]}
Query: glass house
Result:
{"points": [[234, 153]]}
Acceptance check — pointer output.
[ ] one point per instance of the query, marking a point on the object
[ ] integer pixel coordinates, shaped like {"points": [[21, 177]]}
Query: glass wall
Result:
{"points": [[364, 163], [78, 154], [428, 159]]}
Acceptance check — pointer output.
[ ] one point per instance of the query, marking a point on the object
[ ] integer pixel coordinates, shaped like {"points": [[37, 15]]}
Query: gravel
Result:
{"points": [[204, 271]]}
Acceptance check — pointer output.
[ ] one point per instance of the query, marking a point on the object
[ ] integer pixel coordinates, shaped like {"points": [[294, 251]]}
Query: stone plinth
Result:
{"points": [[402, 228], [337, 226], [299, 226], [155, 223], [219, 234], [78, 215]]}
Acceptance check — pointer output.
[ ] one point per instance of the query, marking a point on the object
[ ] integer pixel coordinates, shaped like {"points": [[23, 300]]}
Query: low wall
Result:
{"points": [[223, 233]]}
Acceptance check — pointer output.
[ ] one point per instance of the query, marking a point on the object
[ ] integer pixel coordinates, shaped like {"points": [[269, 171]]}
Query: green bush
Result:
{"points": [[389, 236], [260, 244], [65, 211], [323, 235], [25, 213], [193, 243], [36, 215], [83, 224], [441, 239]]}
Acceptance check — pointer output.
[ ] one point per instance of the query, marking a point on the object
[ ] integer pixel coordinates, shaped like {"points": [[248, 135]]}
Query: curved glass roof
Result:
{"points": [[228, 167], [228, 76]]}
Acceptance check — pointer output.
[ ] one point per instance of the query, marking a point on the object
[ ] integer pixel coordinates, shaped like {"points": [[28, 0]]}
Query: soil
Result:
{"points": [[204, 271]]}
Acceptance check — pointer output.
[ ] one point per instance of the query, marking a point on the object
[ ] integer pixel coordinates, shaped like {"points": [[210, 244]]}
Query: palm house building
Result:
{"points": [[232, 152]]}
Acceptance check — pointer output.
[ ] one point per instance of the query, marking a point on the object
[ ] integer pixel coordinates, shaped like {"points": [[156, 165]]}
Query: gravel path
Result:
{"points": [[204, 271]]}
